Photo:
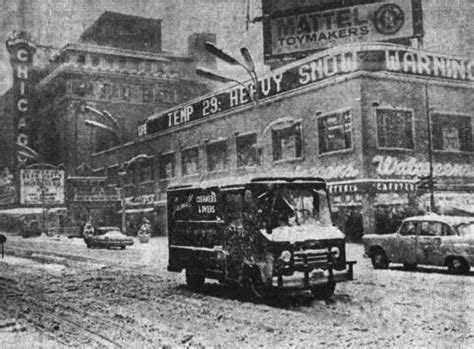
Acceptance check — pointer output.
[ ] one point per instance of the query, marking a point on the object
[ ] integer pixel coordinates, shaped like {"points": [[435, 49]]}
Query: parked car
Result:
{"points": [[429, 240], [31, 229], [107, 237]]}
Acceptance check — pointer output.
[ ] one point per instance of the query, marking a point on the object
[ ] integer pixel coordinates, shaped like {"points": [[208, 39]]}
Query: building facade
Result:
{"points": [[356, 115], [90, 96]]}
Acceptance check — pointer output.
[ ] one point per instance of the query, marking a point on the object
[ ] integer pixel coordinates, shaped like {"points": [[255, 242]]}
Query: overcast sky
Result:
{"points": [[58, 22]]}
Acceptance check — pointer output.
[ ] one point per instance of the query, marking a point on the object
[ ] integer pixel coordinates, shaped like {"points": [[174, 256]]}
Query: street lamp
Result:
{"points": [[249, 67], [125, 166]]}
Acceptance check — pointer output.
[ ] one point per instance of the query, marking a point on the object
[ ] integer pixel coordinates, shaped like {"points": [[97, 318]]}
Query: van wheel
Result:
{"points": [[324, 291], [379, 259], [194, 278], [409, 266], [255, 287], [458, 265]]}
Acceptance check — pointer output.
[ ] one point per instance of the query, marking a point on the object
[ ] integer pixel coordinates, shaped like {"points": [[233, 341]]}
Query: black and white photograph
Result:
{"points": [[236, 174]]}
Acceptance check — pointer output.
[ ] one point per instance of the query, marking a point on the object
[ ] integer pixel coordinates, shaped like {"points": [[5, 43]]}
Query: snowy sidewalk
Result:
{"points": [[64, 250]]}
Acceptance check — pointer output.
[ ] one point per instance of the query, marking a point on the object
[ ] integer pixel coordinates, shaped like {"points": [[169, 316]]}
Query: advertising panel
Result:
{"points": [[305, 30], [43, 186], [314, 70]]}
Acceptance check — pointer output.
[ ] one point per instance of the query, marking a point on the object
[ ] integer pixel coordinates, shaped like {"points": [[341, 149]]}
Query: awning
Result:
{"points": [[137, 210], [31, 210]]}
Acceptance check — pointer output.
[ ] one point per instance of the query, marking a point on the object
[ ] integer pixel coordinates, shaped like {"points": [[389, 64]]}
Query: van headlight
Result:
{"points": [[335, 252], [285, 256]]}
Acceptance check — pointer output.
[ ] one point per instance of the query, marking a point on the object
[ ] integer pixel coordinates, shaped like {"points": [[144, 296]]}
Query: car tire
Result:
{"points": [[409, 266], [324, 291], [194, 278], [255, 288], [122, 247], [458, 266], [379, 259]]}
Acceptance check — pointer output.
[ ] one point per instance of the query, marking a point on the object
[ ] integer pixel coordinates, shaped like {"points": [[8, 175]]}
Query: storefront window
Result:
{"points": [[217, 156], [395, 128], [335, 132], [167, 166], [452, 132], [190, 161], [287, 142], [247, 154]]}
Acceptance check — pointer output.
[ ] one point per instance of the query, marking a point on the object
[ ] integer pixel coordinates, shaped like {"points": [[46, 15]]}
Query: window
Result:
{"points": [[408, 228], [167, 166], [117, 91], [217, 156], [287, 142], [164, 95], [125, 92], [147, 94], [395, 128], [335, 132], [247, 154], [146, 170], [190, 161], [95, 61], [105, 91], [452, 132], [122, 63], [81, 59]]}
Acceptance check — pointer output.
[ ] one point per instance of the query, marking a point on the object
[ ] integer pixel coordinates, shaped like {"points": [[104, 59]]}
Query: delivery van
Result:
{"points": [[268, 234]]}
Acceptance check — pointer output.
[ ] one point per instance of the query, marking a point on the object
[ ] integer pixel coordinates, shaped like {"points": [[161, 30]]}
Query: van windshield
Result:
{"points": [[295, 206]]}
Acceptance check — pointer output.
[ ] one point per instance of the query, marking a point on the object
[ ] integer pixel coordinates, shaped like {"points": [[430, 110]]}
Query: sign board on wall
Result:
{"points": [[43, 186], [314, 25], [315, 70]]}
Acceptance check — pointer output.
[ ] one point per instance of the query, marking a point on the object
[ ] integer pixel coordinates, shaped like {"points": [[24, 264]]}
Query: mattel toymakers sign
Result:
{"points": [[307, 29], [39, 187]]}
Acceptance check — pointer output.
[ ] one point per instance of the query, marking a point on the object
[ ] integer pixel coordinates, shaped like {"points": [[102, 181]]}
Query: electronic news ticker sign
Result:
{"points": [[314, 70], [299, 31]]}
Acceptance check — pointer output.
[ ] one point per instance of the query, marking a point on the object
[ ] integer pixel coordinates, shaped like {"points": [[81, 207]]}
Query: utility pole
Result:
{"points": [[430, 151]]}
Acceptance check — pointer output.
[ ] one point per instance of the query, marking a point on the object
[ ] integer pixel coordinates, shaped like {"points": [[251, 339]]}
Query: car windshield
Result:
{"points": [[296, 206], [466, 229], [103, 230]]}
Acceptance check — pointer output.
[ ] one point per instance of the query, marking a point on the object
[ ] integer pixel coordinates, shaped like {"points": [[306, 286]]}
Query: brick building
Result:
{"points": [[117, 67], [355, 115]]}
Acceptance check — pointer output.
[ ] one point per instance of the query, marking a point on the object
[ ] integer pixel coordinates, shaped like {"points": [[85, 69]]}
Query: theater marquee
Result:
{"points": [[294, 31]]}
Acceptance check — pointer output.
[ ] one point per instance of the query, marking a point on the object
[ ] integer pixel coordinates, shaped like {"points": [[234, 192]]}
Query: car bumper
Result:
{"points": [[301, 280]]}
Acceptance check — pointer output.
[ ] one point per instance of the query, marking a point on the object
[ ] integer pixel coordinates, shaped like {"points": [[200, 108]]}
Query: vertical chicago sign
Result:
{"points": [[21, 50]]}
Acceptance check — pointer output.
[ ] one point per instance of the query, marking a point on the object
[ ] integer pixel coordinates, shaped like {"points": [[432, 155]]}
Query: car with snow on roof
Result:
{"points": [[434, 240]]}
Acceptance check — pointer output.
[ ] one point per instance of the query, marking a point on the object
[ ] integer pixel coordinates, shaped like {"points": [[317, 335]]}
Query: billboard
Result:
{"points": [[299, 31], [313, 70], [38, 187]]}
